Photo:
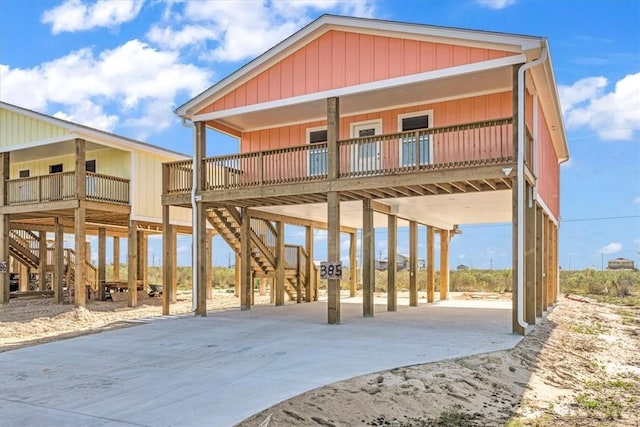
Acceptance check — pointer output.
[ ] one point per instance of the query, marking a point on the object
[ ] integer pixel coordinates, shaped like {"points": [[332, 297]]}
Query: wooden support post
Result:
{"points": [[245, 261], [238, 275], [209, 257], [4, 227], [368, 259], [353, 267], [168, 264], [263, 287], [298, 275], [554, 265], [58, 261], [81, 256], [392, 265], [444, 264], [42, 260], [24, 278], [333, 207], [143, 258], [174, 261], [413, 264], [539, 265], [132, 264], [116, 258], [102, 262], [333, 253], [530, 257], [200, 231], [308, 243], [431, 276], [280, 263], [515, 201], [547, 252], [4, 257]]}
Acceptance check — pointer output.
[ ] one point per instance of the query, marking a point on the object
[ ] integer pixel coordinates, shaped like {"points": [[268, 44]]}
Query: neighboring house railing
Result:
{"points": [[62, 186], [467, 145]]}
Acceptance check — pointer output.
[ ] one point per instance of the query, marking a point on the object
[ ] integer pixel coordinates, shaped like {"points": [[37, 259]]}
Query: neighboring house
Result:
{"points": [[59, 178], [621, 264], [351, 124], [402, 263]]}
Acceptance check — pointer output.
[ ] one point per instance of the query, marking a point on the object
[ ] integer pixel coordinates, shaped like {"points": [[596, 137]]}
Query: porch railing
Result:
{"points": [[472, 144], [62, 186]]}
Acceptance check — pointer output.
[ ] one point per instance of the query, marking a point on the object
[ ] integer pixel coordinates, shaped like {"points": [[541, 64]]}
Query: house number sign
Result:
{"points": [[330, 270]]}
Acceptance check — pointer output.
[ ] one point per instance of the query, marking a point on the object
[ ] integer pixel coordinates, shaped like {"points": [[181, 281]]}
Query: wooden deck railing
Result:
{"points": [[62, 186], [472, 144]]}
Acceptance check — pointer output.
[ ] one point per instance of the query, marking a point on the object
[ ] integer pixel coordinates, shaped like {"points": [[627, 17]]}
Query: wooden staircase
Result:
{"points": [[24, 246], [227, 222]]}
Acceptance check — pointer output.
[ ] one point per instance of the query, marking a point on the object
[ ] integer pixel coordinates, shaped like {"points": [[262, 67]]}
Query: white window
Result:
{"points": [[409, 151], [317, 158]]}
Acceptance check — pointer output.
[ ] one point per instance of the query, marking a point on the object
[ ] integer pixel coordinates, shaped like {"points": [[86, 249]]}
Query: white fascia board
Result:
{"points": [[366, 87], [486, 39], [546, 209], [40, 143]]}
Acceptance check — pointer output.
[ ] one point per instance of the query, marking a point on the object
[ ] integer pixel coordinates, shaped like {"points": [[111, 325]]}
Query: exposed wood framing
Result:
{"points": [[539, 261], [353, 271], [392, 266], [280, 263], [431, 277], [132, 264], [102, 262], [368, 259], [333, 253], [444, 264], [413, 263]]}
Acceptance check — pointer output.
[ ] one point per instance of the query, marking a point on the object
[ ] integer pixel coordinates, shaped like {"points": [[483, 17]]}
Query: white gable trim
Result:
{"points": [[366, 87]]}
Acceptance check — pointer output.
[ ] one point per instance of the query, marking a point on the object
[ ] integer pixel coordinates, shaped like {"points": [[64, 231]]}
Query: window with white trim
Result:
{"points": [[409, 151], [317, 159]]}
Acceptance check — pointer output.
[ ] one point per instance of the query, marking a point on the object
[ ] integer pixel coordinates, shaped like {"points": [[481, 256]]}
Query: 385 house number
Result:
{"points": [[330, 270]]}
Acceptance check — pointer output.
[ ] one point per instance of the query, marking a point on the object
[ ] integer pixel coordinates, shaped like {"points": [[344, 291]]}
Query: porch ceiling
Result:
{"points": [[63, 148], [442, 211], [458, 86]]}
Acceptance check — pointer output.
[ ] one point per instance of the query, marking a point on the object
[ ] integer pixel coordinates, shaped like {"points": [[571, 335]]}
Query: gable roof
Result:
{"points": [[485, 39], [91, 134]]}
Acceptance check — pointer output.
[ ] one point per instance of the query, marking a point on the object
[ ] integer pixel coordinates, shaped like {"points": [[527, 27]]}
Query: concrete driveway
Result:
{"points": [[218, 370]]}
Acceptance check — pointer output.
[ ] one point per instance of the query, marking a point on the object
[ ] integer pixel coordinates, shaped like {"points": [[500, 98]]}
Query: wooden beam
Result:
{"points": [[58, 262], [292, 220], [143, 254], [310, 291], [516, 250], [200, 231], [280, 263], [333, 254], [246, 287], [539, 257], [431, 277], [368, 259], [42, 260], [102, 262], [209, 256], [116, 258], [444, 265], [132, 264], [4, 257], [530, 257], [81, 257], [238, 277], [413, 264], [353, 268], [333, 133], [167, 260], [392, 266]]}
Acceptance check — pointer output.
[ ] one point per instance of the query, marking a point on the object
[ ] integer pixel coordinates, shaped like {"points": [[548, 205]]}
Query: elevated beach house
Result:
{"points": [[63, 179], [351, 124]]}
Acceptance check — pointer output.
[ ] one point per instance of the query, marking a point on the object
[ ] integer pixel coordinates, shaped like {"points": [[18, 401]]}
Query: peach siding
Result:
{"points": [[548, 168], [448, 113], [339, 59]]}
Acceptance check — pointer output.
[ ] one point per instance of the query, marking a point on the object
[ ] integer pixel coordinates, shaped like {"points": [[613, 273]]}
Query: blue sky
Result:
{"points": [[124, 65]]}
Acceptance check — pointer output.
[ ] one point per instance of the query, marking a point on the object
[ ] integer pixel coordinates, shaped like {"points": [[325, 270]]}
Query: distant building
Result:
{"points": [[462, 267], [402, 263], [620, 264]]}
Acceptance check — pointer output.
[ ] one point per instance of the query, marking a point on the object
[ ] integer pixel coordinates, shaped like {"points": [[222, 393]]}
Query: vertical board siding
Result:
{"points": [[339, 59], [548, 168], [17, 129]]}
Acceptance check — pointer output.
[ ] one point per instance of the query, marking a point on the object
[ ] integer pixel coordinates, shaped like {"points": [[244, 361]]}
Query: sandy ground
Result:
{"points": [[579, 366]]}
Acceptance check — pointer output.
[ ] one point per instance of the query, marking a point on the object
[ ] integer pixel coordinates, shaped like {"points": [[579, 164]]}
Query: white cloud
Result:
{"points": [[74, 15], [222, 31], [495, 4], [611, 248], [612, 115], [137, 80], [636, 200]]}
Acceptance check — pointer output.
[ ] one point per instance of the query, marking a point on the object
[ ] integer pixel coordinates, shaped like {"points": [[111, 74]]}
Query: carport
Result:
{"points": [[220, 369]]}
